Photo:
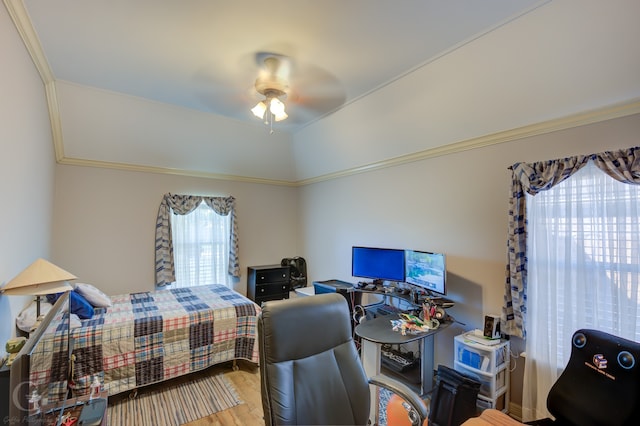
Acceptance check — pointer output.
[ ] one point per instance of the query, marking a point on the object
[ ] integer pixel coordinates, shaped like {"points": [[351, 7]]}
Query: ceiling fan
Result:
{"points": [[308, 91], [273, 84]]}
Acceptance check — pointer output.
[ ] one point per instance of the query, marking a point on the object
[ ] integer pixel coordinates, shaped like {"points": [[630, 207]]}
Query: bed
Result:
{"points": [[146, 338]]}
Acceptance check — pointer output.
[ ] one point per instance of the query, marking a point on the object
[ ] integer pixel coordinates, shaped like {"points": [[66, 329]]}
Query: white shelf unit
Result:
{"points": [[490, 366]]}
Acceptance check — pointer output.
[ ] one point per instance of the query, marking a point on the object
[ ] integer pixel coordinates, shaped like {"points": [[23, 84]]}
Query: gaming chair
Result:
{"points": [[600, 384]]}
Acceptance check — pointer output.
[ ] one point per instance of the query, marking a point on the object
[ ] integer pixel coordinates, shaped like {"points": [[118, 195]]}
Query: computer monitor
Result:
{"points": [[426, 270], [377, 263]]}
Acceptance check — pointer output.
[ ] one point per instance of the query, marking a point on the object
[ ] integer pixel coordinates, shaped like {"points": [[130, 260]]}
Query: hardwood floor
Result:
{"points": [[246, 380]]}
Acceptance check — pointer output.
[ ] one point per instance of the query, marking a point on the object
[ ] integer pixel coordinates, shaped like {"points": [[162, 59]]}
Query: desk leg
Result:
{"points": [[371, 353], [426, 365]]}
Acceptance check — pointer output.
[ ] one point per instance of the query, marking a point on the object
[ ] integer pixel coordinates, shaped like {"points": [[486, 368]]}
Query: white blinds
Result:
{"points": [[201, 247]]}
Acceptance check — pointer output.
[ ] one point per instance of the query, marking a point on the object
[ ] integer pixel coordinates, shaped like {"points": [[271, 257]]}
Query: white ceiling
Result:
{"points": [[201, 54], [167, 85]]}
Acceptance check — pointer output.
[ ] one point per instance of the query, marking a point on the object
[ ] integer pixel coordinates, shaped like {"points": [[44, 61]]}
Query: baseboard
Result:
{"points": [[515, 411]]}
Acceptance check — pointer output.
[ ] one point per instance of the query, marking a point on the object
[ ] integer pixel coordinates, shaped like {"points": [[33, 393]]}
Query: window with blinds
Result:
{"points": [[201, 247], [583, 259]]}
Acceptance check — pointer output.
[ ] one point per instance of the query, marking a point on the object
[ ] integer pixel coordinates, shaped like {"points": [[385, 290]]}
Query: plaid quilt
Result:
{"points": [[145, 338]]}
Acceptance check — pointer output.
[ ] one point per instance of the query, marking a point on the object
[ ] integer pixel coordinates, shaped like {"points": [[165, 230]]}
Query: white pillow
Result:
{"points": [[75, 321], [27, 318], [93, 295]]}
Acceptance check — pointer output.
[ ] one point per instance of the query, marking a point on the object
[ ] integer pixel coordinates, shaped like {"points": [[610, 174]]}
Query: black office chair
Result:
{"points": [[310, 370], [600, 384]]}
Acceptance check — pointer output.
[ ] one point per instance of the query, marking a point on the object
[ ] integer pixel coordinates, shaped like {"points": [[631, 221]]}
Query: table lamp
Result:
{"points": [[39, 279]]}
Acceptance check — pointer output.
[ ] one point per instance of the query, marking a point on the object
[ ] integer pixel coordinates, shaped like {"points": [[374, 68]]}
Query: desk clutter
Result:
{"points": [[412, 324], [419, 320]]}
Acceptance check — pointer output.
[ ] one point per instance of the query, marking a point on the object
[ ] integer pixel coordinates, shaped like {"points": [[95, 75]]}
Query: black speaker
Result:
{"points": [[492, 326], [440, 314], [297, 270]]}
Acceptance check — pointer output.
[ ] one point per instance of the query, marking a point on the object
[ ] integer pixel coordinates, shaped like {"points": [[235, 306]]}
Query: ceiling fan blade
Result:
{"points": [[224, 93], [305, 110], [316, 91], [232, 90]]}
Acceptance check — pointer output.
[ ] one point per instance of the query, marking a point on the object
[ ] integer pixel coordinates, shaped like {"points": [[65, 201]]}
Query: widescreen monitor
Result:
{"points": [[426, 270], [377, 263]]}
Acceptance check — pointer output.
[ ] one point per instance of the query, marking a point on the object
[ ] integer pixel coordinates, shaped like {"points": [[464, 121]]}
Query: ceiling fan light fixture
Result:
{"points": [[259, 110], [271, 108], [276, 107], [279, 117]]}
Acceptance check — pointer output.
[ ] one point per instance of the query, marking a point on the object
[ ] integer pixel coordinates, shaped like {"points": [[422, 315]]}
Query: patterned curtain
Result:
{"points": [[623, 166], [183, 204]]}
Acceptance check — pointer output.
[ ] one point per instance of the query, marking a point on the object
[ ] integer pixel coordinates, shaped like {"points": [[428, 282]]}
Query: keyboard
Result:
{"points": [[387, 310], [398, 362]]}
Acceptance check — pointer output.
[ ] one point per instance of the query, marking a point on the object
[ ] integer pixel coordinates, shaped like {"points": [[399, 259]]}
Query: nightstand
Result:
{"points": [[4, 391]]}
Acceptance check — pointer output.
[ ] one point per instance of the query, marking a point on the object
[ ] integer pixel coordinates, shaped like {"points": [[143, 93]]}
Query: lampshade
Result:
{"points": [[277, 109], [259, 109], [281, 116], [271, 108], [39, 278]]}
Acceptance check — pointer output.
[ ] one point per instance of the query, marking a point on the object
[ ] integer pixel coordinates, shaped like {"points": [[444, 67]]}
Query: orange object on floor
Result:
{"points": [[398, 412]]}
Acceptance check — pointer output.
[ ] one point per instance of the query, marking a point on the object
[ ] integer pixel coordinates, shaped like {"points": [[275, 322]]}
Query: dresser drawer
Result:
{"points": [[272, 275], [280, 296], [271, 289]]}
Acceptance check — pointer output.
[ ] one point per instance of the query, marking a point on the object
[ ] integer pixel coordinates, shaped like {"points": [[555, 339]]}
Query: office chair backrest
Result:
{"points": [[601, 382], [310, 371]]}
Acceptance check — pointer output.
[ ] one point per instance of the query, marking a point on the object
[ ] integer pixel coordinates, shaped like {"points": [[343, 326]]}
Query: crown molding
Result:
{"points": [[170, 171], [575, 120], [54, 118], [21, 20]]}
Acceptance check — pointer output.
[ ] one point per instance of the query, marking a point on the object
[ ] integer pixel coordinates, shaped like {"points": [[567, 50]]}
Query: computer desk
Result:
{"points": [[376, 332]]}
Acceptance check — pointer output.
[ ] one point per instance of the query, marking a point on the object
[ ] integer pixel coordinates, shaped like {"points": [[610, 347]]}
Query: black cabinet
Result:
{"points": [[268, 282], [5, 393]]}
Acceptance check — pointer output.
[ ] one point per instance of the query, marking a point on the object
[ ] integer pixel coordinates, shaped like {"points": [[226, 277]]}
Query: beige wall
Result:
{"points": [[456, 204], [26, 169], [104, 223]]}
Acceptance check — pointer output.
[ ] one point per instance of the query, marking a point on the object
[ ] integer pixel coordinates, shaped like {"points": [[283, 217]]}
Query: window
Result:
{"points": [[583, 249], [201, 247]]}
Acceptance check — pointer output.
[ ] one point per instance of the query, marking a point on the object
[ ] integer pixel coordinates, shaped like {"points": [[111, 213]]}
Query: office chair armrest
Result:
{"points": [[404, 392]]}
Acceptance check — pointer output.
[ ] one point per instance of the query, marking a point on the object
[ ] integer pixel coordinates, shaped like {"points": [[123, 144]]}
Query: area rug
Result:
{"points": [[176, 402], [384, 397]]}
